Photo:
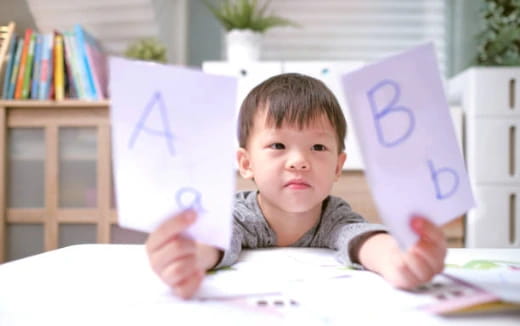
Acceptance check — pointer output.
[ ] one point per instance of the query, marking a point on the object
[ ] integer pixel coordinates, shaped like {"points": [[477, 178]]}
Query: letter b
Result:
{"points": [[439, 194], [390, 108]]}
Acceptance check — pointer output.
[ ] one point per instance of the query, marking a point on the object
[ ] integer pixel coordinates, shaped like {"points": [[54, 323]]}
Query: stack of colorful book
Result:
{"points": [[57, 65]]}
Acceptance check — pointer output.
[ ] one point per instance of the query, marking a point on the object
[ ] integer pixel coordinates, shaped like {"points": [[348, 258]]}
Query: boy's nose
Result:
{"points": [[298, 162], [300, 166]]}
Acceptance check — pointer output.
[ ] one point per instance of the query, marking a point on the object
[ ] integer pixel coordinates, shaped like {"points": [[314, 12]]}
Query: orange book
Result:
{"points": [[59, 71], [23, 64]]}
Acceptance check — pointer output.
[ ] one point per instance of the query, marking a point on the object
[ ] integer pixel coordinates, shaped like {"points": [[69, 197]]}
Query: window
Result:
{"points": [[358, 30]]}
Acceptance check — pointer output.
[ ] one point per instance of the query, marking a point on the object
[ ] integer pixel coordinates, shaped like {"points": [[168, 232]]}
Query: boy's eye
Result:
{"points": [[277, 146], [319, 147]]}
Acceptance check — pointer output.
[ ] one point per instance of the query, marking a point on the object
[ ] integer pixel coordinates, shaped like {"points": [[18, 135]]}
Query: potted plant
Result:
{"points": [[147, 49], [245, 21], [499, 40]]}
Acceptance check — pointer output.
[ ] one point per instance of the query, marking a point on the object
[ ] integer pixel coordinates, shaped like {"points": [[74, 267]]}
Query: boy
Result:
{"points": [[291, 134]]}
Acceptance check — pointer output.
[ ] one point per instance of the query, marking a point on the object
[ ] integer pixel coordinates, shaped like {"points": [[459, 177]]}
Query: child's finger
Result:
{"points": [[175, 273], [419, 267], [169, 229], [187, 288], [427, 230], [172, 251], [431, 255], [404, 277], [437, 250]]}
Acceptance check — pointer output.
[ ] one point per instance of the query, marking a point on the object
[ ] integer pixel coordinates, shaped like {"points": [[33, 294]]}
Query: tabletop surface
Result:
{"points": [[108, 284]]}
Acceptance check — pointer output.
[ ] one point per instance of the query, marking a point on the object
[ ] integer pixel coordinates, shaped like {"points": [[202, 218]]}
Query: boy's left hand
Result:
{"points": [[421, 262], [406, 270]]}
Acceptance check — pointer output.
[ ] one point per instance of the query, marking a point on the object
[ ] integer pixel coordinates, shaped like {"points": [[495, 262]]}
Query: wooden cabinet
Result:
{"points": [[55, 170]]}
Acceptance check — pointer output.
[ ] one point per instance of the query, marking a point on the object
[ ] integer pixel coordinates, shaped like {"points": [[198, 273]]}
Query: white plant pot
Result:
{"points": [[243, 45]]}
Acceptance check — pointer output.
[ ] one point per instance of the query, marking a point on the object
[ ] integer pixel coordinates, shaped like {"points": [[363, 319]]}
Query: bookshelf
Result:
{"points": [[56, 168], [55, 136]]}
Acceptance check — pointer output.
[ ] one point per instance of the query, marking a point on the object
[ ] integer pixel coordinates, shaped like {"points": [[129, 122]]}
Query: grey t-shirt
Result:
{"points": [[337, 228]]}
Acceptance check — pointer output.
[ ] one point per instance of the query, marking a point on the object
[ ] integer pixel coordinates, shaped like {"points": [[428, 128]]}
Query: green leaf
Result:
{"points": [[511, 57], [246, 14], [149, 49], [499, 40]]}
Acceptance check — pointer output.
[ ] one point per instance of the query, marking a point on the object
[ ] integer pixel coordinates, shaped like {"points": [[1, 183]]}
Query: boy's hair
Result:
{"points": [[294, 99]]}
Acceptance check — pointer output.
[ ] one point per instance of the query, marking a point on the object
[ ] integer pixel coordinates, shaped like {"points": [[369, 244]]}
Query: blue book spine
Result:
{"points": [[16, 67], [50, 75], [36, 68], [46, 71], [9, 68], [82, 54]]}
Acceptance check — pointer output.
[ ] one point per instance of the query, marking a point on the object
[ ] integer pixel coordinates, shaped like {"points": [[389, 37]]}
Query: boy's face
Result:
{"points": [[293, 168]]}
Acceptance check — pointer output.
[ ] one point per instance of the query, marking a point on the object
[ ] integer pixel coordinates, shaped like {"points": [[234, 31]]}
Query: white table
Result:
{"points": [[113, 284]]}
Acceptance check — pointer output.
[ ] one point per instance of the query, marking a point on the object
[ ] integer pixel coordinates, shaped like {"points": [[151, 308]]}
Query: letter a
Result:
{"points": [[435, 179], [390, 108], [166, 133]]}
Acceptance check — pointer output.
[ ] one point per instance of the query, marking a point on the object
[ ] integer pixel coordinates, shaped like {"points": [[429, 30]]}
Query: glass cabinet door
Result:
{"points": [[24, 240], [26, 168], [77, 167], [25, 188]]}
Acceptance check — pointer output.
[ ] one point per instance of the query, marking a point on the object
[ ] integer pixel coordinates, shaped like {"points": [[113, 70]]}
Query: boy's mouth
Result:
{"points": [[297, 184]]}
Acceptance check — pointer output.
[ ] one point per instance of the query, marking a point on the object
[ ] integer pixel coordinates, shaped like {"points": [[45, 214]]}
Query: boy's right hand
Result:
{"points": [[179, 261]]}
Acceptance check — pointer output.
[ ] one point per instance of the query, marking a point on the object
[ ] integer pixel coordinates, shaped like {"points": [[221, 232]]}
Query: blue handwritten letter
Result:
{"points": [[166, 132], [439, 194], [390, 108], [188, 197]]}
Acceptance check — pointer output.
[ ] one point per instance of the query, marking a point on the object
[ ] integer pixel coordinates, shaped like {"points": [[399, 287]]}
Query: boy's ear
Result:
{"points": [[244, 163], [341, 161]]}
